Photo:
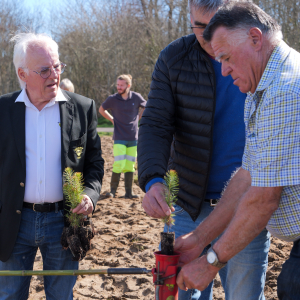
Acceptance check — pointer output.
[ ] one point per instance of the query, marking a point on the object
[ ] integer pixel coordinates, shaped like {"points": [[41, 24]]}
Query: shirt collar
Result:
{"points": [[276, 60], [24, 98], [121, 98]]}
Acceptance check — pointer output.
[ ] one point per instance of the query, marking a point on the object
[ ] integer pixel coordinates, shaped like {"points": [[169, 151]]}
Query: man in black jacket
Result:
{"points": [[43, 130], [193, 123]]}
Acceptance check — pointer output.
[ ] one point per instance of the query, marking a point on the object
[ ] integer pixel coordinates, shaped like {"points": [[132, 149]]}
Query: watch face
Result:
{"points": [[211, 257]]}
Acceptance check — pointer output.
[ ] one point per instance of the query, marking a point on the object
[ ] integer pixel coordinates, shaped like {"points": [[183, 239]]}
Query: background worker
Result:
{"points": [[194, 124], [67, 85], [125, 108]]}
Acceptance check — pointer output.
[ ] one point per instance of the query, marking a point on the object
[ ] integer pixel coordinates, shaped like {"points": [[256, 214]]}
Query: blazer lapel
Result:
{"points": [[66, 122], [18, 125]]}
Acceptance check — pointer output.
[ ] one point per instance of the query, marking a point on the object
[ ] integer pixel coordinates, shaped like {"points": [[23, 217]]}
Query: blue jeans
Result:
{"points": [[288, 282], [244, 275], [39, 230]]}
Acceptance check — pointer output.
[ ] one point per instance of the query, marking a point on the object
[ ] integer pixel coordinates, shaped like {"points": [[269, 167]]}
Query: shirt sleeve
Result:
{"points": [[275, 147], [108, 103], [245, 161], [142, 101], [154, 180]]}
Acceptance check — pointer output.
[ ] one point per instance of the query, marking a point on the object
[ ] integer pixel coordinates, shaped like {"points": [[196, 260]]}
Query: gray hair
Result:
{"points": [[241, 17], [67, 85], [25, 41], [208, 6]]}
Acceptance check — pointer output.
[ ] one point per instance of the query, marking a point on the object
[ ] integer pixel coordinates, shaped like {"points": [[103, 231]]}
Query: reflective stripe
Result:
{"points": [[130, 158], [120, 157], [125, 158]]}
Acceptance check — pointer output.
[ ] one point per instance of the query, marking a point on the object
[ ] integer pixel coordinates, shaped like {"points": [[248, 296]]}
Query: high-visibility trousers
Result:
{"points": [[125, 153]]}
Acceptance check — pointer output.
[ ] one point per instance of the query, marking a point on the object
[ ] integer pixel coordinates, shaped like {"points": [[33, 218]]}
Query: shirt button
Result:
{"points": [[41, 158], [18, 212], [40, 135], [22, 184], [40, 181]]}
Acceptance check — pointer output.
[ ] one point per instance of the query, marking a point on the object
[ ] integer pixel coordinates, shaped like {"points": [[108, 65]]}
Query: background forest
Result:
{"points": [[99, 39]]}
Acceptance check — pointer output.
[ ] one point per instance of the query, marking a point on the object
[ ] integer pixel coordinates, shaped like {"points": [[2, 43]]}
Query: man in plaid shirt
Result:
{"points": [[265, 191]]}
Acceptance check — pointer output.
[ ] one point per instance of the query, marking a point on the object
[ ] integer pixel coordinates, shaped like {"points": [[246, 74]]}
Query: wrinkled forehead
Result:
{"points": [[41, 54], [219, 42]]}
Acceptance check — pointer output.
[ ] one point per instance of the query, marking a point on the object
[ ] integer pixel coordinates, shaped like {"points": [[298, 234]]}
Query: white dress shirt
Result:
{"points": [[43, 150]]}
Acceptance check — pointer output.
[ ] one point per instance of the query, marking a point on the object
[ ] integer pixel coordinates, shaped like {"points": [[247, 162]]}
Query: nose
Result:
{"points": [[54, 73], [225, 69]]}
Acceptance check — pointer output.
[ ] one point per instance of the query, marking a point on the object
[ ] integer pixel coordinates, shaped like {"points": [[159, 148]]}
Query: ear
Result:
{"points": [[256, 38], [22, 74]]}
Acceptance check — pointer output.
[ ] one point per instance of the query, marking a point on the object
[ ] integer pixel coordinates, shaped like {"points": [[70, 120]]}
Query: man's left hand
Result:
{"points": [[85, 207], [197, 274]]}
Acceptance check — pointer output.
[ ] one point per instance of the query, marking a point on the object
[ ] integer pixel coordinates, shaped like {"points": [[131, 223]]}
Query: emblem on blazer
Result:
{"points": [[78, 151]]}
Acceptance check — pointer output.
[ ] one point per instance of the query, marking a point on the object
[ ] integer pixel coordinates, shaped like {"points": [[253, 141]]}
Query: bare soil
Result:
{"points": [[127, 237]]}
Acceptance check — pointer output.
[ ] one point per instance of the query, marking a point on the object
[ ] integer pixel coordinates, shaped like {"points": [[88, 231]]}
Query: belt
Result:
{"points": [[213, 202], [45, 207]]}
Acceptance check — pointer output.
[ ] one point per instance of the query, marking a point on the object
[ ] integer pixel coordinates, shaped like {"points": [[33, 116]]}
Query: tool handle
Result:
{"points": [[116, 271]]}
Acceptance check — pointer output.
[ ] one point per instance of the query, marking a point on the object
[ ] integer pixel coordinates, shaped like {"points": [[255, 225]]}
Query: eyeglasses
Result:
{"points": [[46, 72], [197, 29]]}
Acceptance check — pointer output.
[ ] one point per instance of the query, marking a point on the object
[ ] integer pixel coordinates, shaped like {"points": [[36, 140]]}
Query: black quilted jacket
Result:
{"points": [[177, 124]]}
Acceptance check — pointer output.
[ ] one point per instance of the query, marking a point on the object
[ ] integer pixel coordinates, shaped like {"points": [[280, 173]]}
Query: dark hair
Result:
{"points": [[241, 15], [208, 6]]}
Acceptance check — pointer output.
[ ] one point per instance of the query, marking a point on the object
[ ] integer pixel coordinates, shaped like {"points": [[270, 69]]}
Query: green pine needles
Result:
{"points": [[172, 188], [73, 190]]}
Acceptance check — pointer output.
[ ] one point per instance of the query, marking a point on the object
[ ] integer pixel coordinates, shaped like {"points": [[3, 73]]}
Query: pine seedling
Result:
{"points": [[73, 190], [172, 188]]}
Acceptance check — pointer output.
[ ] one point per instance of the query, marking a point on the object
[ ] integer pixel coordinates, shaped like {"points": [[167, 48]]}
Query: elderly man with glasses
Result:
{"points": [[193, 123], [43, 130], [265, 192]]}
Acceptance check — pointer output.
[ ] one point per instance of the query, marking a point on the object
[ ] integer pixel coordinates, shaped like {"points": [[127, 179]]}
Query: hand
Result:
{"points": [[85, 207], [154, 202], [189, 246], [198, 274]]}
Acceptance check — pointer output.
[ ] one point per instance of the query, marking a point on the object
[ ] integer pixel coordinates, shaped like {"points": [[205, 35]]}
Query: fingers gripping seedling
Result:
{"points": [[77, 237], [171, 191], [172, 188]]}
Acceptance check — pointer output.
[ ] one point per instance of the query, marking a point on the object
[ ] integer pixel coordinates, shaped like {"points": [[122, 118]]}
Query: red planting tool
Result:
{"points": [[164, 275]]}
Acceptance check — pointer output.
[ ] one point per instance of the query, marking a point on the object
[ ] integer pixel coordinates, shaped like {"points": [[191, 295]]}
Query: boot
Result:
{"points": [[115, 178], [128, 185]]}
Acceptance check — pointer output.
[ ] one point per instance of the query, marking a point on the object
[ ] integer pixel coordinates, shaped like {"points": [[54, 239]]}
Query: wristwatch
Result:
{"points": [[212, 259]]}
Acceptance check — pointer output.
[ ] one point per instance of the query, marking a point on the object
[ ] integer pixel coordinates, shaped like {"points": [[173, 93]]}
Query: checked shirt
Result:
{"points": [[272, 150]]}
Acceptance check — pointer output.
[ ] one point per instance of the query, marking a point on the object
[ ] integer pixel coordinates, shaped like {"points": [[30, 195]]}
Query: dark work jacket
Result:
{"points": [[78, 121], [176, 130]]}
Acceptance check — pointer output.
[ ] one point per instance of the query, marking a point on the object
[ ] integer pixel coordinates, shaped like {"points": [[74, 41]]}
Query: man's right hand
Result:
{"points": [[154, 202]]}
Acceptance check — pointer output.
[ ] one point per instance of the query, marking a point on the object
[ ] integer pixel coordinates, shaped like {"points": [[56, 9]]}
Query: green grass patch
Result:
{"points": [[102, 122], [105, 134]]}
